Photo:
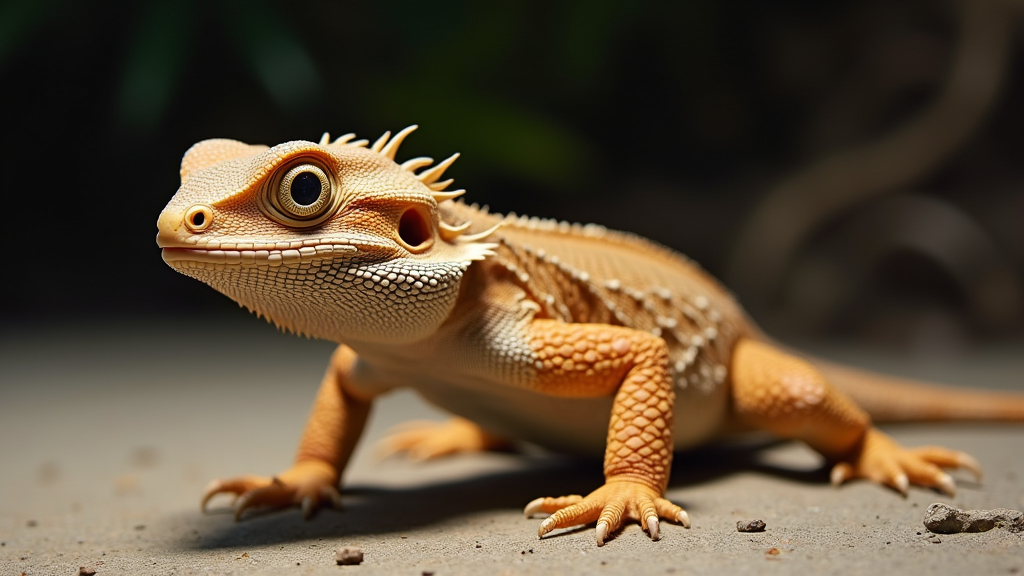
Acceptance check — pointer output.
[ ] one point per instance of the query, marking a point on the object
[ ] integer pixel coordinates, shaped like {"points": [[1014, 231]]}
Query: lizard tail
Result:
{"points": [[892, 399]]}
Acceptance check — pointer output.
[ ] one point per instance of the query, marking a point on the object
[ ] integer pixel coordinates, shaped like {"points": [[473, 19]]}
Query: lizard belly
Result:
{"points": [[570, 425]]}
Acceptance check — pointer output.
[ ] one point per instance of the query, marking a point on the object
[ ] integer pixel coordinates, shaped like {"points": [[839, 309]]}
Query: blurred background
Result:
{"points": [[853, 170]]}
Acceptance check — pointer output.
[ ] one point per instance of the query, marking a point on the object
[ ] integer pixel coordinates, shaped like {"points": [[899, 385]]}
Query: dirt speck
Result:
{"points": [[126, 484], [750, 526], [348, 555], [49, 472], [144, 457]]}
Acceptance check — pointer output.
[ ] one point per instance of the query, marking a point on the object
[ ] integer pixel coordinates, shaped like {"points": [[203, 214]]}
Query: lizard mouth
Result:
{"points": [[183, 257], [260, 254]]}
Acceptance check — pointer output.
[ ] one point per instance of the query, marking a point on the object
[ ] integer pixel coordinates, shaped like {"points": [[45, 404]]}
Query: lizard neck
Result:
{"points": [[339, 299]]}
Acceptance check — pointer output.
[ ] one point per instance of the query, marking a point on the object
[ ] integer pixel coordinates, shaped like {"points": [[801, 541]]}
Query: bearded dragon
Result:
{"points": [[571, 337]]}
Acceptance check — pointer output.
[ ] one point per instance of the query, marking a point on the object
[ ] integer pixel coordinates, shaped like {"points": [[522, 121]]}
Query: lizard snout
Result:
{"points": [[175, 227]]}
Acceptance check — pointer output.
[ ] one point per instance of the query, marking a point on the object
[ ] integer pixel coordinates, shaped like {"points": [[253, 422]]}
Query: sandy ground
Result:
{"points": [[109, 434]]}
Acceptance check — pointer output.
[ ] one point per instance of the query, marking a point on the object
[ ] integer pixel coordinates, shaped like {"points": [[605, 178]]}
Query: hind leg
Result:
{"points": [[789, 397], [427, 440]]}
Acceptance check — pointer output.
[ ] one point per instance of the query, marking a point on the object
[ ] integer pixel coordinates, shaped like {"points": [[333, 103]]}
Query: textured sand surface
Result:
{"points": [[108, 435]]}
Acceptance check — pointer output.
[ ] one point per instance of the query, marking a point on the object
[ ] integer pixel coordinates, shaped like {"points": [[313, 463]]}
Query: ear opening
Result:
{"points": [[414, 230]]}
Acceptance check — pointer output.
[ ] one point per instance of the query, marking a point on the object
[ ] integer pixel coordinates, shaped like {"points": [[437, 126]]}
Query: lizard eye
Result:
{"points": [[302, 195], [304, 191]]}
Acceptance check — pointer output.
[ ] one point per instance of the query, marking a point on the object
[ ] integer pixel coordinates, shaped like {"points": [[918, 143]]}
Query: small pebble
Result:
{"points": [[84, 571], [750, 526], [348, 555], [945, 519]]}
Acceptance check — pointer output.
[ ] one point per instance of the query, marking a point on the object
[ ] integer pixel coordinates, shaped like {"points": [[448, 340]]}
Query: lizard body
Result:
{"points": [[576, 338]]}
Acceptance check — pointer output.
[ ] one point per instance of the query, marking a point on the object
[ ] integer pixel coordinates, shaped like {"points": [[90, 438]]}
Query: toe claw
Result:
{"points": [[683, 518], [653, 527], [546, 526], [840, 473], [332, 494], [901, 483], [242, 503], [946, 485], [601, 532], [308, 507], [533, 507], [212, 489], [970, 463]]}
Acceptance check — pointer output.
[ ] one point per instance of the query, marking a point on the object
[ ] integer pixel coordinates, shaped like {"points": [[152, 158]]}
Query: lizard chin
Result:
{"points": [[342, 297]]}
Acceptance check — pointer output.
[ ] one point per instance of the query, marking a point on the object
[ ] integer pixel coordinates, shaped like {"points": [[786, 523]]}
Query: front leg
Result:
{"points": [[593, 360], [332, 431]]}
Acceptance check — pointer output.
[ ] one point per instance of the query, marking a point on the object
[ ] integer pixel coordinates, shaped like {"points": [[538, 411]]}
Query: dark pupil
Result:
{"points": [[305, 189]]}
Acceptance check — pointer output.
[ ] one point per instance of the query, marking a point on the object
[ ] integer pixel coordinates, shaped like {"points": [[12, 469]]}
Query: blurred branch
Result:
{"points": [[795, 207], [820, 290]]}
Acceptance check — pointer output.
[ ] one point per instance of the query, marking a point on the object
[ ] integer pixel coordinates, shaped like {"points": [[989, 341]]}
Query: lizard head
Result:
{"points": [[333, 240]]}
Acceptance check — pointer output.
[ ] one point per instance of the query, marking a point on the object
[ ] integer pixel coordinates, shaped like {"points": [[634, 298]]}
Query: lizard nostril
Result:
{"points": [[198, 218]]}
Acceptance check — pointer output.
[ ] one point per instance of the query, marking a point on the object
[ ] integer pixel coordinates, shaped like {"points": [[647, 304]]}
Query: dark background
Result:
{"points": [[853, 170]]}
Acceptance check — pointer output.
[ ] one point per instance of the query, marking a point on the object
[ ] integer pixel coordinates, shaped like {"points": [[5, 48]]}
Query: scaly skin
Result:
{"points": [[572, 337]]}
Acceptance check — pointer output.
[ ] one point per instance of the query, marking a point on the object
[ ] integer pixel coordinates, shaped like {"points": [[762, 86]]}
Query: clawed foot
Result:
{"points": [[426, 439], [609, 506], [881, 459], [308, 485]]}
